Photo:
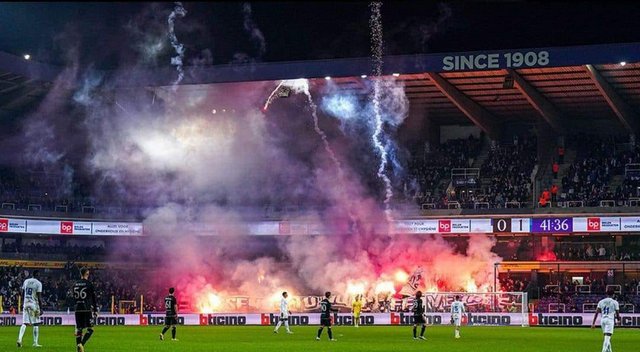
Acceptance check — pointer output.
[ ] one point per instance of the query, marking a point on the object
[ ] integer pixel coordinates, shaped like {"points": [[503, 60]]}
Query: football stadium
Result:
{"points": [[463, 200]]}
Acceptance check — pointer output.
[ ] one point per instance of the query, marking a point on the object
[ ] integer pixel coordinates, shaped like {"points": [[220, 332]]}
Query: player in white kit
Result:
{"points": [[284, 314], [32, 290], [457, 309], [610, 310]]}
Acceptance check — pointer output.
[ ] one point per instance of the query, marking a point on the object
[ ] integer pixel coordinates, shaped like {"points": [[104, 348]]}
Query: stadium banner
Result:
{"points": [[533, 225], [64, 227], [268, 319]]}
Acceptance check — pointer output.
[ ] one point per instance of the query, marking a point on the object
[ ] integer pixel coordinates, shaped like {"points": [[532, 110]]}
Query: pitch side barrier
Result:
{"points": [[268, 319]]}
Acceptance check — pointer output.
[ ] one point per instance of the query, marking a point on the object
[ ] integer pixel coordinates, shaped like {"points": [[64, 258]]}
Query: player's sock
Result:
{"points": [[78, 337], [165, 329], [36, 333], [422, 330], [606, 345], [87, 336], [330, 333], [415, 330], [286, 325], [320, 331], [173, 332], [23, 328], [278, 325]]}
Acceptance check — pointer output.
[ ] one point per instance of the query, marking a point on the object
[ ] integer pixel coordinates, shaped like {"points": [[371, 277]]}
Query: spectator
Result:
{"points": [[561, 155], [554, 193], [555, 169], [602, 252]]}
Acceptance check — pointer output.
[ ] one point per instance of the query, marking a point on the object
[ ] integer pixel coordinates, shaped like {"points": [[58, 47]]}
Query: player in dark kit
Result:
{"points": [[86, 308], [171, 318], [325, 316], [418, 316]]}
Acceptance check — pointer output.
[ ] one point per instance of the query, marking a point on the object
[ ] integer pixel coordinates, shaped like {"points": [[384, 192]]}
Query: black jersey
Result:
{"points": [[325, 307], [170, 305], [84, 296], [418, 307]]}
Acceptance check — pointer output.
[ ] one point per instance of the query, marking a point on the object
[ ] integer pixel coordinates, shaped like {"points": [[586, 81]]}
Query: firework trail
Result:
{"points": [[178, 11], [272, 97], [302, 86], [375, 22]]}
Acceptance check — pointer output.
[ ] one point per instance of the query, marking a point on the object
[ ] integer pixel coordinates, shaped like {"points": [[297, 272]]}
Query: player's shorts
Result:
{"points": [[84, 320], [325, 322], [457, 320], [29, 315], [171, 320], [419, 319], [284, 316], [607, 325], [356, 315]]}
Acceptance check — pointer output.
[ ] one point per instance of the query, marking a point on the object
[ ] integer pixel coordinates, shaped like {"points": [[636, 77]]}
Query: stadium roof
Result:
{"points": [[486, 87]]}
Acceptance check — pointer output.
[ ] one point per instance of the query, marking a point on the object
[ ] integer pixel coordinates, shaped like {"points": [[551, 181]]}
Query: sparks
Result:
{"points": [[178, 11], [376, 40]]}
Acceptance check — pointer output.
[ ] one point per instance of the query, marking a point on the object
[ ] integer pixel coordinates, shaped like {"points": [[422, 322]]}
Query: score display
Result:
{"points": [[511, 225], [552, 225]]}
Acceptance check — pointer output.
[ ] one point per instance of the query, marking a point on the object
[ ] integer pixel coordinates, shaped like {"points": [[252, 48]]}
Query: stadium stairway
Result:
{"points": [[569, 158]]}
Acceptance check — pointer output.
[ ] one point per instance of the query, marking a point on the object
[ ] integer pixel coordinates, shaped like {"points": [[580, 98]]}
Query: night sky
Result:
{"points": [[107, 34]]}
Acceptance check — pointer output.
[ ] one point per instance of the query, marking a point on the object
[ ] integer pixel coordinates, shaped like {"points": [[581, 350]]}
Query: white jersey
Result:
{"points": [[608, 307], [30, 287], [284, 306], [457, 308]]}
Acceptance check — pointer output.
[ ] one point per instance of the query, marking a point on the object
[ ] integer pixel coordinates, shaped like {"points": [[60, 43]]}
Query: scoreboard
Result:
{"points": [[541, 225]]}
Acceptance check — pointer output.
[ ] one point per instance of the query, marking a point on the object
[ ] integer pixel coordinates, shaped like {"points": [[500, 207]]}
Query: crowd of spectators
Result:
{"points": [[509, 168], [68, 251], [568, 296], [434, 165], [122, 285], [598, 160]]}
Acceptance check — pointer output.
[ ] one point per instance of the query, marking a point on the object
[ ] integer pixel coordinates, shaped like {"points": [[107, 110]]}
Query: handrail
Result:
{"points": [[575, 204], [456, 205], [583, 289], [607, 203]]}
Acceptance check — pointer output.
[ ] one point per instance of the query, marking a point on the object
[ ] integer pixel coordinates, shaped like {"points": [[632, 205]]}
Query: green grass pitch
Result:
{"points": [[379, 338]]}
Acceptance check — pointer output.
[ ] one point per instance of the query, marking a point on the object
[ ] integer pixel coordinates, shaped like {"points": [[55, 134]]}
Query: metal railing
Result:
{"points": [[512, 204], [616, 288], [10, 206], [583, 289], [589, 307], [607, 203], [427, 206], [627, 308], [34, 207], [481, 205], [88, 209], [633, 202], [632, 169], [556, 307], [453, 205], [61, 208], [552, 288], [575, 204]]}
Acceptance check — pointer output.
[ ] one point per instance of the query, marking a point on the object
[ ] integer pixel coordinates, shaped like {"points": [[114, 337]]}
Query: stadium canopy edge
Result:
{"points": [[351, 67]]}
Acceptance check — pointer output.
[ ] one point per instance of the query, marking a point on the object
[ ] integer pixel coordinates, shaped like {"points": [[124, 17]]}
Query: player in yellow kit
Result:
{"points": [[357, 308]]}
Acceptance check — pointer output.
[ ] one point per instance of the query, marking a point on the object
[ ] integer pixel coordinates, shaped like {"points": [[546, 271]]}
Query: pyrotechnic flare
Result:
{"points": [[375, 23], [178, 11]]}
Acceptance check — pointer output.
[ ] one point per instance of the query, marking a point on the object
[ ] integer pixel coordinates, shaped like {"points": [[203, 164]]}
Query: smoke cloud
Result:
{"points": [[208, 159]]}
